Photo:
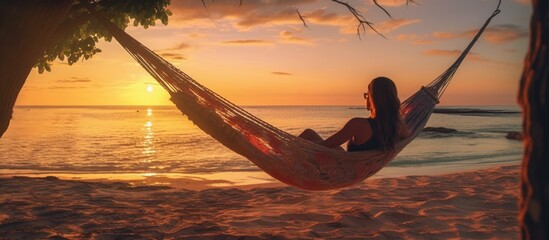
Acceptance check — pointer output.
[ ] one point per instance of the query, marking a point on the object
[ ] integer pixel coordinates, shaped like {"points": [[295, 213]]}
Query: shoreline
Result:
{"points": [[473, 205], [238, 179]]}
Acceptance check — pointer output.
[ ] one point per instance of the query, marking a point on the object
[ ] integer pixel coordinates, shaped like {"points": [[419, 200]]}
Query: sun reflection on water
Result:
{"points": [[148, 138], [149, 174], [148, 125]]}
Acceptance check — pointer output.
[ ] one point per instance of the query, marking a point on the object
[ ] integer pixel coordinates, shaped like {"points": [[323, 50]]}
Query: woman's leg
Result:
{"points": [[311, 135]]}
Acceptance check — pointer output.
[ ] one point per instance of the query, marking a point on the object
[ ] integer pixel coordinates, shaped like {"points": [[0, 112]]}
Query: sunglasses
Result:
{"points": [[366, 95]]}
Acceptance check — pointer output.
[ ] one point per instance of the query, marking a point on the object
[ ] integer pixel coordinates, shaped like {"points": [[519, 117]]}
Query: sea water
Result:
{"points": [[159, 140]]}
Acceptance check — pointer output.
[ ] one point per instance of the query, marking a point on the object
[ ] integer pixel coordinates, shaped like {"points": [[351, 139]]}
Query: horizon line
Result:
{"points": [[249, 105]]}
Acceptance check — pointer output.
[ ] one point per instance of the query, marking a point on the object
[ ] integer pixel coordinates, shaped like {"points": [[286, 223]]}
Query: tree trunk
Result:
{"points": [[25, 28], [534, 100]]}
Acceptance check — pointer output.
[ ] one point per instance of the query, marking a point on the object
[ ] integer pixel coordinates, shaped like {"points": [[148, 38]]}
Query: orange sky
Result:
{"points": [[260, 54]]}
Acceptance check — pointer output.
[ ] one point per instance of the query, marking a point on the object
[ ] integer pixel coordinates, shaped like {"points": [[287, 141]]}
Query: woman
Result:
{"points": [[381, 130]]}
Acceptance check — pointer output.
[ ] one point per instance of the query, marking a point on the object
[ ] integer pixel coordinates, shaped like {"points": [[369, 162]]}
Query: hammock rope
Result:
{"points": [[288, 158], [440, 83]]}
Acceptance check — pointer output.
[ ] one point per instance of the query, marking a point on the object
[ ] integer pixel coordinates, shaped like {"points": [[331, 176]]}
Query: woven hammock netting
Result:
{"points": [[287, 158]]}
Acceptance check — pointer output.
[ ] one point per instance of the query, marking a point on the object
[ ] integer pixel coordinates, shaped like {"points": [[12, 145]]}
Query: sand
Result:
{"points": [[469, 205]]}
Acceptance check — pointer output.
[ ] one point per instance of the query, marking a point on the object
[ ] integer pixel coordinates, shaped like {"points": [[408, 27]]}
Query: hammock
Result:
{"points": [[288, 158]]}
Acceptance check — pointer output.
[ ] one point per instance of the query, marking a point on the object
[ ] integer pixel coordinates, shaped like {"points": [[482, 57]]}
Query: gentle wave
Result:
{"points": [[437, 159]]}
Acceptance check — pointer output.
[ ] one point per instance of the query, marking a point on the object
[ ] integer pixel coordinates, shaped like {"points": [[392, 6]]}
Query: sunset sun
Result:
{"points": [[150, 88]]}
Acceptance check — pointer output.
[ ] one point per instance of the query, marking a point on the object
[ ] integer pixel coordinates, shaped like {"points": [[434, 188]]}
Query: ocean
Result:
{"points": [[121, 142]]}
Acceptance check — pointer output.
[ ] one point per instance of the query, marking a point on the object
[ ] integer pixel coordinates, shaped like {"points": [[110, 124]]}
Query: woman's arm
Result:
{"points": [[345, 134], [404, 131]]}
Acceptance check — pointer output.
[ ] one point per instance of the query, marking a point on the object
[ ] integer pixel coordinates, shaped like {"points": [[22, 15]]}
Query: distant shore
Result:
{"points": [[469, 205], [463, 110], [473, 111]]}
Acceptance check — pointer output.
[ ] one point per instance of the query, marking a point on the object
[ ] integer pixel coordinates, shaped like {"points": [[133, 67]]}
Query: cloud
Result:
{"points": [[415, 39], [456, 53], [290, 16], [322, 16], [248, 42], [393, 24], [256, 13], [229, 15], [524, 2], [74, 80], [445, 35], [286, 16], [64, 87], [167, 53], [245, 13], [175, 56], [498, 34], [391, 3], [196, 35], [289, 37], [180, 46], [438, 52], [349, 26], [422, 42], [282, 73]]}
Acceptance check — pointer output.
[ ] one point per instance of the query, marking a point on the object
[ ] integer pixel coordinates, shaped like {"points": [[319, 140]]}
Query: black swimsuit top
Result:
{"points": [[370, 144]]}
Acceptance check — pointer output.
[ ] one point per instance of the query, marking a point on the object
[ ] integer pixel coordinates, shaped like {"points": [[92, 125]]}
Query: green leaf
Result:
{"points": [[80, 42]]}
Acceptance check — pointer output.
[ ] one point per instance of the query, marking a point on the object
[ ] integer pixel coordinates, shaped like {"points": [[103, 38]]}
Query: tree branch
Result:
{"points": [[301, 17], [379, 6], [361, 20]]}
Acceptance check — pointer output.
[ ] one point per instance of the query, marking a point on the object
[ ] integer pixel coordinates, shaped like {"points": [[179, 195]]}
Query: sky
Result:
{"points": [[260, 53]]}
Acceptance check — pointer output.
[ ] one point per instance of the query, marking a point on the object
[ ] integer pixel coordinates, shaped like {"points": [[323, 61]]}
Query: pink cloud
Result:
{"points": [[444, 35], [504, 33], [289, 37], [498, 34], [175, 56], [394, 24], [414, 39], [525, 2], [250, 13], [282, 73], [248, 42], [392, 3], [456, 53], [258, 13]]}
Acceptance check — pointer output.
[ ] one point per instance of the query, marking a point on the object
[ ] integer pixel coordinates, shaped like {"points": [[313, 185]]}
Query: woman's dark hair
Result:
{"points": [[385, 111]]}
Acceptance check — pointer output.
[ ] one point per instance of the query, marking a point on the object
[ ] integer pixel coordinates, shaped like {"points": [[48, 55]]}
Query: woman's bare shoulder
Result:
{"points": [[359, 120], [358, 123]]}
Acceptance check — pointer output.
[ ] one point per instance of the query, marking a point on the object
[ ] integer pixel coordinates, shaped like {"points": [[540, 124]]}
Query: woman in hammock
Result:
{"points": [[381, 130]]}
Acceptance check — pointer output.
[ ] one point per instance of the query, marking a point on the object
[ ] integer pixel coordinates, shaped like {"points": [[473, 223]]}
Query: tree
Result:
{"points": [[534, 100], [35, 33]]}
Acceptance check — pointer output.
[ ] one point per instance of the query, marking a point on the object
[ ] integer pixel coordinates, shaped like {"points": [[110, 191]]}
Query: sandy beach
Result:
{"points": [[469, 205]]}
